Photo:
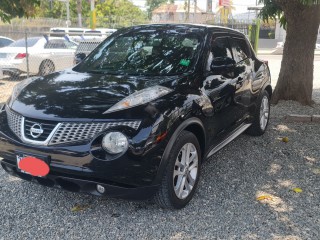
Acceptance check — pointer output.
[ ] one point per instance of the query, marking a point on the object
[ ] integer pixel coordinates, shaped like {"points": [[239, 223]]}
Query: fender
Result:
{"points": [[174, 136]]}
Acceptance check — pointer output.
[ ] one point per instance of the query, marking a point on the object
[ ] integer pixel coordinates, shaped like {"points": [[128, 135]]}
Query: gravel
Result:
{"points": [[224, 207]]}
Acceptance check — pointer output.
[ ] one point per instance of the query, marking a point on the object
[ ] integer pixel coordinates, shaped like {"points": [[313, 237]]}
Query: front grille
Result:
{"points": [[72, 132], [64, 133], [14, 121], [45, 125]]}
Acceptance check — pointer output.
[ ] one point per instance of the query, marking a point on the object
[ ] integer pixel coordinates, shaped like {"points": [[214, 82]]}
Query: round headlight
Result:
{"points": [[115, 142]]}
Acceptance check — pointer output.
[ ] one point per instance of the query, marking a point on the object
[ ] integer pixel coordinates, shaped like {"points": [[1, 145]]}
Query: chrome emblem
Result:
{"points": [[36, 130]]}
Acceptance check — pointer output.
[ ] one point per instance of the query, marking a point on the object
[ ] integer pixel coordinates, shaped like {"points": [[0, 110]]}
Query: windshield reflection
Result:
{"points": [[144, 53]]}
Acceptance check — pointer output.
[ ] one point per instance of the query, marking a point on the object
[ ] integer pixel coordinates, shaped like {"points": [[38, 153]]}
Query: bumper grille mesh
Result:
{"points": [[66, 132], [14, 121], [72, 132]]}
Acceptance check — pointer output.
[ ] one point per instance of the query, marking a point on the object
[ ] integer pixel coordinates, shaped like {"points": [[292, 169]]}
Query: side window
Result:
{"points": [[70, 45], [55, 44], [240, 49], [220, 53]]}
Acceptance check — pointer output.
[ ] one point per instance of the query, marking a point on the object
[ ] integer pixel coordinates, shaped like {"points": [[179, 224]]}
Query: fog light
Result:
{"points": [[100, 188], [115, 142]]}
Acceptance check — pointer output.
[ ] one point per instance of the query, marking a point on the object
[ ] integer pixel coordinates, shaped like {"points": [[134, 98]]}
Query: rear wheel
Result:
{"points": [[261, 116], [46, 67], [13, 75], [182, 173]]}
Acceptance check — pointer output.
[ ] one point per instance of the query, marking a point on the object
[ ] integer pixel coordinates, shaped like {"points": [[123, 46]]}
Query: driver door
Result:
{"points": [[219, 84]]}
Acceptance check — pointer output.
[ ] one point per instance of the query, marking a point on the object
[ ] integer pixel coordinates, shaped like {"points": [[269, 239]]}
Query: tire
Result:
{"points": [[46, 67], [258, 128], [14, 76], [172, 193]]}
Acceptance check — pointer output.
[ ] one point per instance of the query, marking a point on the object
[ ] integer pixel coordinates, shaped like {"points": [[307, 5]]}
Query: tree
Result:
{"points": [[57, 9], [118, 13], [153, 4], [301, 19], [17, 8]]}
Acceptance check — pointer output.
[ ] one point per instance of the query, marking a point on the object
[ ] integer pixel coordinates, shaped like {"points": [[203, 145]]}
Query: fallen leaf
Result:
{"points": [[79, 208], [297, 190], [316, 171], [285, 139], [264, 197]]}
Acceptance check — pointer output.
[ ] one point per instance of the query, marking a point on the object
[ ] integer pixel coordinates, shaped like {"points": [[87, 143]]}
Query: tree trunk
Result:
{"points": [[296, 75]]}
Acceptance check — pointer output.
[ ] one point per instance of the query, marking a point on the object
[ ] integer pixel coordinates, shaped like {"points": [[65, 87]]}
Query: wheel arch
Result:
{"points": [[268, 88], [193, 125]]}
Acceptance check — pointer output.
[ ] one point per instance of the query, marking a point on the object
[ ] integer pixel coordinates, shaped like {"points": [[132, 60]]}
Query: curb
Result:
{"points": [[302, 118], [279, 51]]}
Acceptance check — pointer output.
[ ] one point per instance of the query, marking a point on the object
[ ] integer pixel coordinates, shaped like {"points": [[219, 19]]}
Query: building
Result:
{"points": [[178, 13]]}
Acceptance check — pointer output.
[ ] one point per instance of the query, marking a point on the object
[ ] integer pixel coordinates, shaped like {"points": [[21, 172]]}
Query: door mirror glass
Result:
{"points": [[79, 57]]}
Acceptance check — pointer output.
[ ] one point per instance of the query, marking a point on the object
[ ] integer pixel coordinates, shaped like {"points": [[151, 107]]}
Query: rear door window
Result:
{"points": [[240, 49], [22, 42], [55, 44], [220, 53]]}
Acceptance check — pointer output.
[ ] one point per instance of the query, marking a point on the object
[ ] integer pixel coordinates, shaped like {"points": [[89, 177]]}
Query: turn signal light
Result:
{"points": [[21, 56]]}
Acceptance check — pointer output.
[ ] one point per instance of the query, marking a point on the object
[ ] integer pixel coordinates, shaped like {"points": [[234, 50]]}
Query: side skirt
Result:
{"points": [[230, 138]]}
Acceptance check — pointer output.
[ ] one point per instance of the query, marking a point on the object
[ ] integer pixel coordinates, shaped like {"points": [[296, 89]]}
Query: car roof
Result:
{"points": [[191, 26]]}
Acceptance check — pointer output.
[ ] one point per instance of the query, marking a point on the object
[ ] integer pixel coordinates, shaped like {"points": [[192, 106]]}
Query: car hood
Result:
{"points": [[74, 95]]}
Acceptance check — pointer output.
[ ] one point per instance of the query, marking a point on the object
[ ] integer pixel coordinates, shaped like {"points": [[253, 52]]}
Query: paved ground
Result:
{"points": [[224, 207]]}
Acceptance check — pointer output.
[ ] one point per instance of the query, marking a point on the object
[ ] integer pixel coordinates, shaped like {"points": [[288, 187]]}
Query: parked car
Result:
{"points": [[4, 41], [99, 33], [45, 55], [139, 115], [84, 48]]}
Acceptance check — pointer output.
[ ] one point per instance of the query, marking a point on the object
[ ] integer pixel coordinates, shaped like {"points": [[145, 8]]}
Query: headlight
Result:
{"points": [[115, 142], [19, 87], [139, 98]]}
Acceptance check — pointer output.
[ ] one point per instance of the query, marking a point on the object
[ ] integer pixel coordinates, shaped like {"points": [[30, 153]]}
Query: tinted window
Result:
{"points": [[22, 43], [145, 52], [70, 45], [240, 49], [55, 44], [220, 53], [4, 42]]}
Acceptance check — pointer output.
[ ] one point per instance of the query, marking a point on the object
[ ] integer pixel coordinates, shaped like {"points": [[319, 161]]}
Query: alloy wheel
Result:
{"points": [[264, 112], [185, 171]]}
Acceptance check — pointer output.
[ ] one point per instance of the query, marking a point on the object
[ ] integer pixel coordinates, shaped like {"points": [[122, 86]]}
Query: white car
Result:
{"points": [[4, 41], [45, 55]]}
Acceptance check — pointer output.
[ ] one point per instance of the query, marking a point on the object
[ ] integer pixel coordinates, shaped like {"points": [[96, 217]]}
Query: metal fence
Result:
{"points": [[38, 53]]}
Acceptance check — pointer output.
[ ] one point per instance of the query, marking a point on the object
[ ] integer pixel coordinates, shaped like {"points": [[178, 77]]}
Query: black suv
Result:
{"points": [[139, 115]]}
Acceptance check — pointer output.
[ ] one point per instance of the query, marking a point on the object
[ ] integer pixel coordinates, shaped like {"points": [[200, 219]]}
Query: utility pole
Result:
{"points": [[195, 11], [188, 11], [92, 15], [68, 13], [68, 23], [79, 11]]}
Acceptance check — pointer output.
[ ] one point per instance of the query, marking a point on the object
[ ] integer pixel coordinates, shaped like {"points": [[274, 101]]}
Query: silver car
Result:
{"points": [[45, 55]]}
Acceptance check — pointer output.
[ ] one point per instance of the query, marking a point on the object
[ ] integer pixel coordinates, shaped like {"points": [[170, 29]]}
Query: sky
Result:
{"points": [[240, 5]]}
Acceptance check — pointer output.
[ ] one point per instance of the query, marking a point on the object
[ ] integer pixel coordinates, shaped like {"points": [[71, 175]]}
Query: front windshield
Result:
{"points": [[145, 53]]}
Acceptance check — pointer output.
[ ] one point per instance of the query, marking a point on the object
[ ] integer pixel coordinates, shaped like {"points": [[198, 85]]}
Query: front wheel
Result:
{"points": [[261, 116], [182, 173]]}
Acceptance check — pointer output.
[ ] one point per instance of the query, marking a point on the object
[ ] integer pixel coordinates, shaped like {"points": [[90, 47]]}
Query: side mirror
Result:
{"points": [[79, 57]]}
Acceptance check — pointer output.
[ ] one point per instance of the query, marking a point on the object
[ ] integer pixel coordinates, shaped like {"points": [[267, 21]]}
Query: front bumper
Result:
{"points": [[76, 184], [134, 175]]}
